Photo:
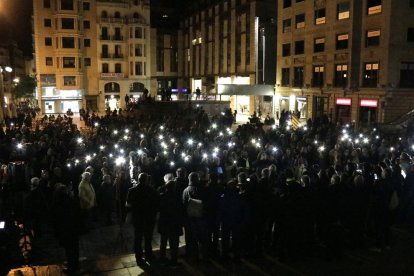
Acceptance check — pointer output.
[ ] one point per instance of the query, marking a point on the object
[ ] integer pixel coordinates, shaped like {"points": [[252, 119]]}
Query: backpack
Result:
{"points": [[195, 208]]}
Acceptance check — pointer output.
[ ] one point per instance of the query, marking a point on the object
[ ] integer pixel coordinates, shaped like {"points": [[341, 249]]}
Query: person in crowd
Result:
{"points": [[87, 199], [106, 199], [143, 205], [170, 222]]}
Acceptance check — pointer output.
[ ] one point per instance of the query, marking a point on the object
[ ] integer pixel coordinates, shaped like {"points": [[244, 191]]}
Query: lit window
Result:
{"points": [[68, 62], [319, 45], [320, 16], [287, 25], [69, 80], [374, 6], [342, 41], [372, 38], [49, 61], [371, 74], [318, 76], [341, 75], [342, 11], [300, 21]]}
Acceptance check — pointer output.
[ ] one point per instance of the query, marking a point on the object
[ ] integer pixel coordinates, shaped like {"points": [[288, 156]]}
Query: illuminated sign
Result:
{"points": [[343, 101], [369, 103]]}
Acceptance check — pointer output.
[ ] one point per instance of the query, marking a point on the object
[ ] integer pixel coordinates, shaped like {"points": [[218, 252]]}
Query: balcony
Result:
{"points": [[104, 37], [105, 55], [117, 56]]}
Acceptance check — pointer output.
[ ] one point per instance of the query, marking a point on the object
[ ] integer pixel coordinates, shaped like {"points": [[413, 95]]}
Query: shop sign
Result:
{"points": [[369, 103], [343, 101]]}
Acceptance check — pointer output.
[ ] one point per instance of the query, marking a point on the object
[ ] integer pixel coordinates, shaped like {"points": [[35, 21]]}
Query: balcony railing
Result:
{"points": [[112, 75], [117, 37], [105, 37]]}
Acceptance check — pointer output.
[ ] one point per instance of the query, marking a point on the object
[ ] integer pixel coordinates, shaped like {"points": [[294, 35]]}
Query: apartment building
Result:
{"points": [[229, 42], [350, 60], [90, 53]]}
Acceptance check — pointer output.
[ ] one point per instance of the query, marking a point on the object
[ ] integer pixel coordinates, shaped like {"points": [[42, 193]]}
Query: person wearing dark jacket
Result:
{"points": [[170, 221], [66, 221], [195, 227], [143, 204], [233, 216]]}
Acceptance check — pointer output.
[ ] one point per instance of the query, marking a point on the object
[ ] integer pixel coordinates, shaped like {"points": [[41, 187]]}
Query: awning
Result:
{"points": [[245, 89]]}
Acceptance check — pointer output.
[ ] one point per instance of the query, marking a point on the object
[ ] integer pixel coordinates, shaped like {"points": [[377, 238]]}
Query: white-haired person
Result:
{"points": [[87, 198]]}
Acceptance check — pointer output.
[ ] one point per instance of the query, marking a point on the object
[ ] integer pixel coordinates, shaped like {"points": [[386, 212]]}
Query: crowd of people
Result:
{"points": [[234, 193]]}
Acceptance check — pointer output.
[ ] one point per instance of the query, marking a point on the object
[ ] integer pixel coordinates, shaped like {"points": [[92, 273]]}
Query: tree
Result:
{"points": [[24, 88]]}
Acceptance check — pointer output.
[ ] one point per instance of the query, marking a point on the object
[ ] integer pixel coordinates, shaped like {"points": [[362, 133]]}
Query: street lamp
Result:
{"points": [[7, 69]]}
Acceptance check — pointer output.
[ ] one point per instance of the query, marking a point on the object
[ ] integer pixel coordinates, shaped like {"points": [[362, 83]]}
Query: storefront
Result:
{"points": [[343, 110], [302, 107], [112, 102], [320, 107], [368, 110], [60, 101]]}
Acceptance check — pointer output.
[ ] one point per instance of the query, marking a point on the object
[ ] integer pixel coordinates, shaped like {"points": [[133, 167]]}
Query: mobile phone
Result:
{"points": [[375, 176], [2, 224]]}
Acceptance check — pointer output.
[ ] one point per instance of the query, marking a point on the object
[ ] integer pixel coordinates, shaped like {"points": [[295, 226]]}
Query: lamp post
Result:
{"points": [[7, 69]]}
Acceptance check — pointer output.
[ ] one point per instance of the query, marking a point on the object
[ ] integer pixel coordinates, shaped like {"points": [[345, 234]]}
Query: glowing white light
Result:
{"points": [[399, 138], [165, 152], [200, 144], [96, 124], [68, 165], [214, 126], [360, 135], [111, 155], [253, 141], [190, 142], [273, 126], [216, 149], [412, 147], [140, 152], [377, 137], [375, 129], [102, 147], [162, 127], [183, 154], [346, 136], [142, 136], [126, 130], [119, 161], [80, 140], [344, 131], [315, 142], [208, 131], [258, 145], [76, 161], [125, 137], [172, 140], [234, 162], [214, 154], [274, 149], [321, 148], [161, 137], [115, 132], [164, 145], [186, 158], [347, 125], [172, 164], [357, 141], [116, 146], [221, 133], [392, 149], [305, 128], [94, 154], [19, 145], [366, 140], [121, 151], [205, 155], [197, 105], [230, 144], [88, 158], [288, 128]]}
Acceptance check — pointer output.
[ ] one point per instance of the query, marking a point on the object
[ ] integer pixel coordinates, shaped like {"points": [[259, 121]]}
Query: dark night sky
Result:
{"points": [[15, 17]]}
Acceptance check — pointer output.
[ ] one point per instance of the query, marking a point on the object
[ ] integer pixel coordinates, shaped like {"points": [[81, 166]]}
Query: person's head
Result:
{"points": [[335, 179], [86, 176], [44, 174], [34, 183], [181, 172], [89, 169], [231, 185], [359, 180], [265, 173], [194, 178], [242, 178], [305, 181], [168, 177], [106, 178], [142, 178]]}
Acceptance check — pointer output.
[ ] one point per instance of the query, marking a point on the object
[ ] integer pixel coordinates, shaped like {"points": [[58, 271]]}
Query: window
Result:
{"points": [[286, 50], [287, 25], [298, 76], [105, 68], [47, 22], [319, 45], [371, 74], [374, 6], [86, 24], [69, 80], [69, 62], [341, 75], [87, 61], [86, 42], [66, 5], [48, 41], [138, 32], [317, 76], [68, 42], [320, 16], [285, 77], [86, 6], [300, 21], [342, 41], [139, 50], [49, 61], [105, 53], [46, 4], [138, 68], [118, 68], [410, 35], [372, 38], [68, 23], [407, 75], [342, 11], [287, 3], [299, 47]]}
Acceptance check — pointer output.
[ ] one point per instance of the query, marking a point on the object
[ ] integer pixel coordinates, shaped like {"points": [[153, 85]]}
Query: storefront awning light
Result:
{"points": [[343, 101], [369, 103]]}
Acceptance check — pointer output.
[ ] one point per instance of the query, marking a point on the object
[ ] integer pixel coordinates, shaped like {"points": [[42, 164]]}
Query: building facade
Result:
{"points": [[90, 53], [350, 60], [229, 42]]}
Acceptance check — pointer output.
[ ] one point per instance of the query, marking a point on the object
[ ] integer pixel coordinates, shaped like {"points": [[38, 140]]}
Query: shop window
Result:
{"points": [[68, 42], [372, 38], [105, 68], [286, 49], [342, 11], [300, 21], [87, 61], [287, 25], [319, 45], [342, 41], [374, 6], [285, 77], [48, 41], [407, 75], [298, 76], [410, 35], [341, 75], [318, 76], [287, 3], [118, 68], [68, 23], [49, 61], [86, 42], [299, 47], [86, 6], [320, 16], [371, 74], [69, 80], [47, 22], [66, 5], [69, 62]]}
